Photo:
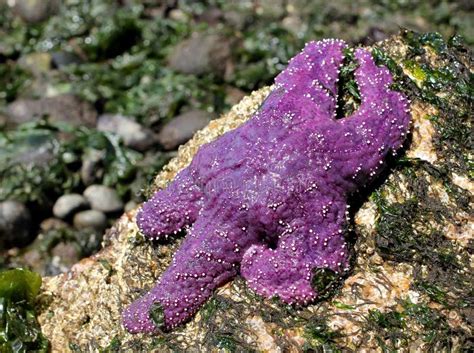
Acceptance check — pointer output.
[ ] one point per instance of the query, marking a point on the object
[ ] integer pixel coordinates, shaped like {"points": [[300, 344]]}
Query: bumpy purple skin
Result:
{"points": [[270, 197]]}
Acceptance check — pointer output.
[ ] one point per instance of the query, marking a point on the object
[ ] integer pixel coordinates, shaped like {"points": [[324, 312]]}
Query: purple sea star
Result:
{"points": [[270, 197]]}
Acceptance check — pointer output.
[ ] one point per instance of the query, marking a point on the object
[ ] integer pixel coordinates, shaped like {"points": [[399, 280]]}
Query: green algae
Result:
{"points": [[19, 330]]}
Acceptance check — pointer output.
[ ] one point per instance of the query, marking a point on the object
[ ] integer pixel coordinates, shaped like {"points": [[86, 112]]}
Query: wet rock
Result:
{"points": [[294, 24], [36, 63], [374, 34], [64, 58], [237, 19], [52, 224], [91, 166], [68, 254], [201, 54], [233, 95], [90, 219], [15, 224], [65, 108], [132, 133], [130, 205], [182, 128], [102, 198], [211, 16], [34, 260], [128, 266], [68, 204], [35, 11], [271, 8]]}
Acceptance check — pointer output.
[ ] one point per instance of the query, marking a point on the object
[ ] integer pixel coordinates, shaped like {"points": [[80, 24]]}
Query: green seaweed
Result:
{"points": [[320, 337], [19, 330]]}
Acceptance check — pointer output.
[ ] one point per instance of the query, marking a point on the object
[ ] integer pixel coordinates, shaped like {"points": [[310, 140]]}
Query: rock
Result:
{"points": [[67, 204], [52, 224], [385, 283], [201, 54], [91, 166], [33, 259], [212, 16], [237, 19], [64, 58], [130, 205], [182, 128], [233, 95], [15, 224], [65, 108], [68, 255], [102, 198], [90, 219], [35, 11], [271, 8], [295, 25], [132, 133], [36, 63]]}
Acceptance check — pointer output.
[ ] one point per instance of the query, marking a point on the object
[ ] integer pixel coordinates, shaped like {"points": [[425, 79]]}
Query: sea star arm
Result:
{"points": [[208, 257], [313, 241], [307, 88], [377, 127], [171, 209]]}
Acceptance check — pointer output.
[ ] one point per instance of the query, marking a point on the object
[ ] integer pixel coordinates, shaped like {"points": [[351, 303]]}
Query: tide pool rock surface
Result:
{"points": [[412, 248], [270, 198]]}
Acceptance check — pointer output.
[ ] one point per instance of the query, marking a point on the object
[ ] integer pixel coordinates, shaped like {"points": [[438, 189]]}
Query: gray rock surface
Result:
{"points": [[200, 54], [414, 230], [64, 58], [103, 198], [182, 128], [90, 219], [35, 11], [15, 223], [66, 108], [67, 204], [132, 133], [91, 166]]}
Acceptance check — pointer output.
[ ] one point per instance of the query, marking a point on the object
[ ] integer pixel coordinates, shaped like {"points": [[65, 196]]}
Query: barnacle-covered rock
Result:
{"points": [[409, 284]]}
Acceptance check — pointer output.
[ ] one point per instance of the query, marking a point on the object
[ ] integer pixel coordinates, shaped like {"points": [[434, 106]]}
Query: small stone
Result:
{"points": [[90, 219], [64, 58], [64, 108], [52, 224], [91, 166], [130, 205], [37, 63], [35, 11], [15, 224], [133, 134], [182, 128], [201, 54], [237, 19], [103, 198], [68, 254], [68, 204], [233, 95]]}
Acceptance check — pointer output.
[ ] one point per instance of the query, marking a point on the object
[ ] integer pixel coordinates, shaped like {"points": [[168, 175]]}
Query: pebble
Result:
{"points": [[68, 204], [15, 223], [132, 133], [181, 128], [103, 198], [90, 219], [201, 54], [63, 108]]}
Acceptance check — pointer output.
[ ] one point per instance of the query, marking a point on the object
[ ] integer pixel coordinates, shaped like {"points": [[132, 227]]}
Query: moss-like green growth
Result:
{"points": [[19, 330], [320, 337]]}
